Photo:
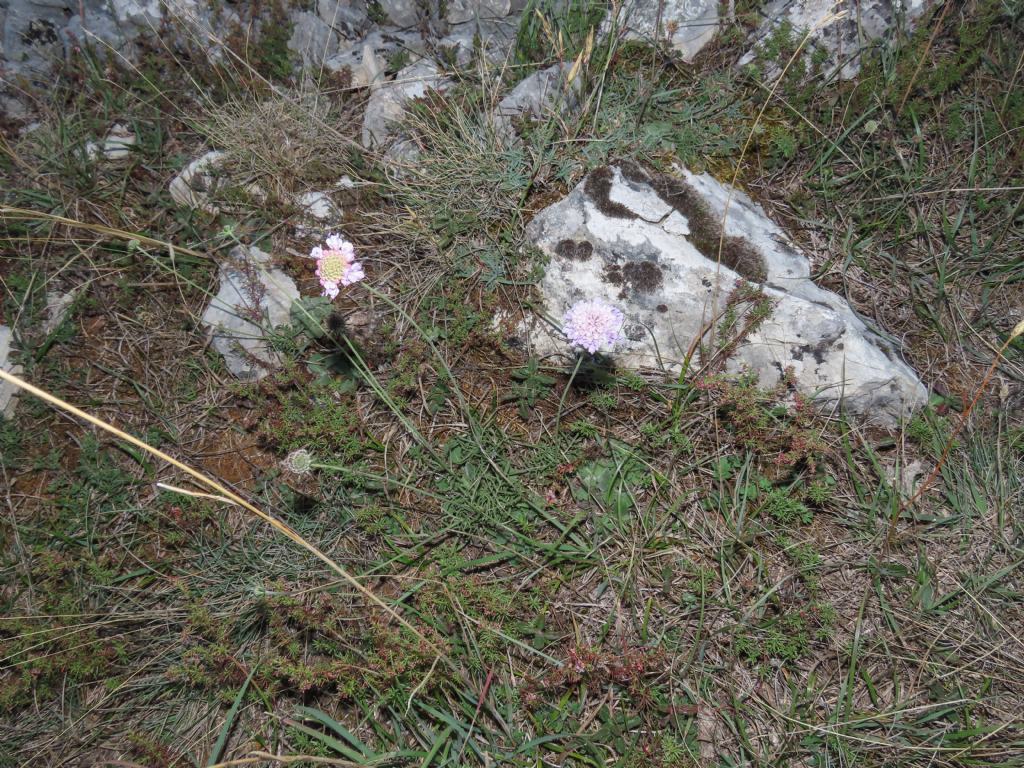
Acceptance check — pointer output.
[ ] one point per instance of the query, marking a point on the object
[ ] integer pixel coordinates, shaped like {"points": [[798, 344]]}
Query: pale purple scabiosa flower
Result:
{"points": [[336, 265], [593, 324]]}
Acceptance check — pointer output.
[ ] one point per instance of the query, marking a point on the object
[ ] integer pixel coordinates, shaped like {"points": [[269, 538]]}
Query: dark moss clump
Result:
{"points": [[642, 276], [705, 230], [598, 186], [636, 276], [613, 274], [574, 251]]}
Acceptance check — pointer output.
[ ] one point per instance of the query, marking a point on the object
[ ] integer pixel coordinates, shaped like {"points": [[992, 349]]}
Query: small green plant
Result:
{"points": [[603, 399], [779, 504], [375, 12], [398, 59], [317, 415], [273, 57], [614, 481], [554, 28], [784, 436], [10, 443], [529, 387], [807, 559], [786, 637]]}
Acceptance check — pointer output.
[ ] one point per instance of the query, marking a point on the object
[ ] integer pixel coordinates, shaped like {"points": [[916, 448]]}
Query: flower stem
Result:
{"points": [[565, 392]]}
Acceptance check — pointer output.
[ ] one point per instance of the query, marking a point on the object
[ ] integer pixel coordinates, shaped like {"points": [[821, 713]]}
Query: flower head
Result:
{"points": [[593, 324], [299, 462], [336, 265]]}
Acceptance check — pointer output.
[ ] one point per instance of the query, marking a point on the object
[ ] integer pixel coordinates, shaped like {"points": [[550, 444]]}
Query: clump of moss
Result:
{"points": [[736, 253]]}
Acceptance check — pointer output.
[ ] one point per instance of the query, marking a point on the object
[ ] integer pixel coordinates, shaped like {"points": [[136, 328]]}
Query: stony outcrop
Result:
{"points": [[649, 244], [253, 298], [842, 40], [536, 96], [36, 35], [386, 107], [460, 11], [686, 25]]}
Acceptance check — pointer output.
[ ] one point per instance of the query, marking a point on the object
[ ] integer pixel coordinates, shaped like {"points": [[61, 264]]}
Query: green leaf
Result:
{"points": [[229, 721], [310, 313]]}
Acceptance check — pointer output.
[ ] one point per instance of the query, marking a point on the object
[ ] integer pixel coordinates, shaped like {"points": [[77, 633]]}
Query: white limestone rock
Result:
{"points": [[348, 21], [367, 60], [139, 13], [687, 25], [13, 108], [253, 298], [192, 187], [32, 35], [467, 43], [537, 95], [320, 214], [8, 392], [117, 145], [843, 40], [648, 243], [460, 11], [312, 39], [58, 304], [400, 13], [319, 206]]}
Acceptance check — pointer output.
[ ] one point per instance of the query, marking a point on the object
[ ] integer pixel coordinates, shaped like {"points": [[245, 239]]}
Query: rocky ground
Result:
{"points": [[402, 518]]}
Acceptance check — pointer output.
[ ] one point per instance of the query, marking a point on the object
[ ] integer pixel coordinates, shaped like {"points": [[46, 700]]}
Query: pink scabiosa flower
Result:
{"points": [[336, 265], [593, 324]]}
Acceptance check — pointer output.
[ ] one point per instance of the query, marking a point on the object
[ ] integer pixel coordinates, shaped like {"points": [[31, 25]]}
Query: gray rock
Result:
{"points": [[199, 20], [367, 60], [843, 40], [319, 210], [35, 34], [312, 38], [58, 305], [460, 11], [13, 108], [535, 96], [253, 298], [386, 107], [191, 188], [99, 31], [648, 244], [319, 206], [32, 35], [466, 43], [138, 13], [400, 13], [348, 21], [688, 25], [8, 392]]}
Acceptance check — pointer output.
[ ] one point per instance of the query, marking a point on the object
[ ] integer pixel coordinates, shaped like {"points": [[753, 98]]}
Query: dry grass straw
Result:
{"points": [[283, 141], [24, 214]]}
